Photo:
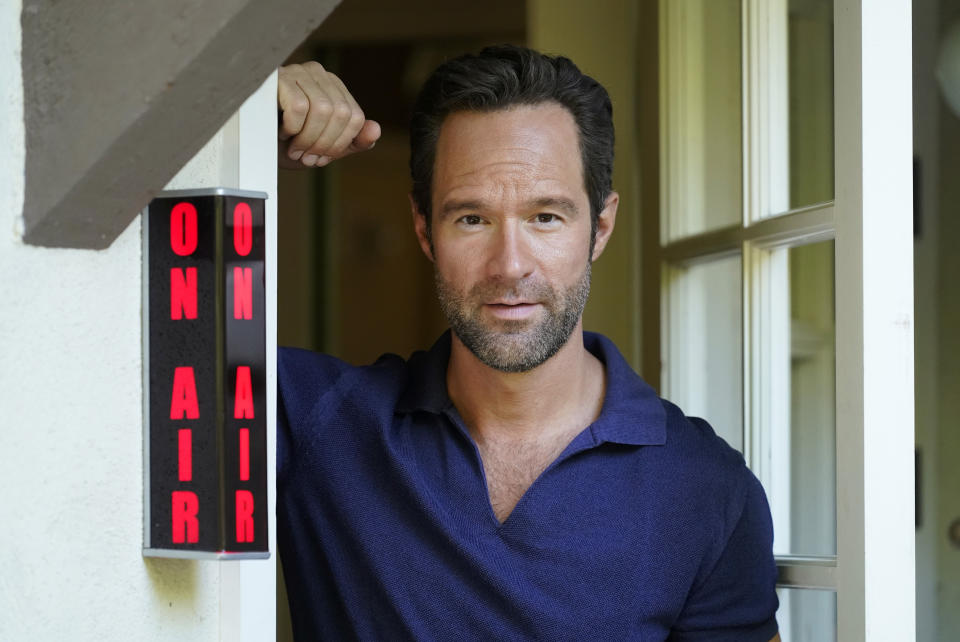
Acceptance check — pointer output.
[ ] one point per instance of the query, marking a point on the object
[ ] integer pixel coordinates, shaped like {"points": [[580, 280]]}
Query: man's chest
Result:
{"points": [[511, 467], [573, 561], [402, 515]]}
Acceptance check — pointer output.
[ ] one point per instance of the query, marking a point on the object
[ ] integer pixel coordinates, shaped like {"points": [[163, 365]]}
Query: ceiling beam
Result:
{"points": [[119, 95]]}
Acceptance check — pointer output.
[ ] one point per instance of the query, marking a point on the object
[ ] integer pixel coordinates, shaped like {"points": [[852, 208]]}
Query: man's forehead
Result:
{"points": [[558, 116], [531, 144]]}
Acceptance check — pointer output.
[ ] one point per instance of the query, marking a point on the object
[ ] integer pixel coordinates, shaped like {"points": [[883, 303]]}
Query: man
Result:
{"points": [[518, 481]]}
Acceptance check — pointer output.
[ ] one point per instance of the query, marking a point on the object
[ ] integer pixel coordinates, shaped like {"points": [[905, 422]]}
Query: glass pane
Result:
{"points": [[701, 116], [810, 26], [703, 371], [803, 478], [807, 615]]}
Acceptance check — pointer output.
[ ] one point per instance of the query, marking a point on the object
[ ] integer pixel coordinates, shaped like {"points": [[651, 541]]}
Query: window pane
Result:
{"points": [[807, 615], [703, 370], [810, 36], [801, 477], [701, 117]]}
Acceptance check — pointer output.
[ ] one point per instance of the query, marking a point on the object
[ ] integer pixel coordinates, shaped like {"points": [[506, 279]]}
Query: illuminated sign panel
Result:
{"points": [[205, 484]]}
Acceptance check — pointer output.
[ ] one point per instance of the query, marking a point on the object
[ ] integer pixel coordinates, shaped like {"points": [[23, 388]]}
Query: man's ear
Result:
{"points": [[605, 223], [420, 227]]}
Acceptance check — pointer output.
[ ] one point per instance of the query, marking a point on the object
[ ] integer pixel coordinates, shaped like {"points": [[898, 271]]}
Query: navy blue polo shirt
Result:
{"points": [[647, 527]]}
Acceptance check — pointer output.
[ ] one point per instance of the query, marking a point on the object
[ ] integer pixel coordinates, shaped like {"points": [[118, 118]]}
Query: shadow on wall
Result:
{"points": [[173, 580]]}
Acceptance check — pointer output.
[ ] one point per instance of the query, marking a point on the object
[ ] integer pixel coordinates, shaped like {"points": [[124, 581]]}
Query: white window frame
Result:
{"points": [[870, 221], [875, 384]]}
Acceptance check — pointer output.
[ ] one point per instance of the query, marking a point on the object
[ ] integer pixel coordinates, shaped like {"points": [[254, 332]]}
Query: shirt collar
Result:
{"points": [[632, 412]]}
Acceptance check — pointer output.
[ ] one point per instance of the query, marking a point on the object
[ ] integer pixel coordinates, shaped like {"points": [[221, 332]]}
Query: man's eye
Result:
{"points": [[471, 219], [546, 218]]}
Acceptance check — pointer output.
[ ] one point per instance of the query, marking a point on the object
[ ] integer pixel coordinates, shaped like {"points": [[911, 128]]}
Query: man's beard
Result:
{"points": [[513, 345]]}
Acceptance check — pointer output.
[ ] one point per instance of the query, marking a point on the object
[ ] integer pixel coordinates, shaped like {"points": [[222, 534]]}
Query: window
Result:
{"points": [[770, 281]]}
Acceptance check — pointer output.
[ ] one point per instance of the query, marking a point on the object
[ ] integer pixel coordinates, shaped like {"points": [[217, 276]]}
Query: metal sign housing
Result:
{"points": [[204, 365]]}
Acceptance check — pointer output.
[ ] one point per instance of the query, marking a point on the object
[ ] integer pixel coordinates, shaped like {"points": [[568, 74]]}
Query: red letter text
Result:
{"points": [[244, 454], [242, 229], [183, 293], [185, 454], [244, 516], [242, 293], [243, 400], [183, 401], [186, 527], [183, 229]]}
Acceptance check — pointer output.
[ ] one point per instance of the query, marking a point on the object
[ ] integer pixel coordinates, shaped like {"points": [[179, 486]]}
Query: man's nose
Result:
{"points": [[511, 258]]}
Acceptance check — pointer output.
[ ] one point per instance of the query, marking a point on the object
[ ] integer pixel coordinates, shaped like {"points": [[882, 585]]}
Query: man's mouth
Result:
{"points": [[513, 310]]}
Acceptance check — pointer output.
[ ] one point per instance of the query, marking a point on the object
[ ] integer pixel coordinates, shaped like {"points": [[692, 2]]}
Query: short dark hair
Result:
{"points": [[506, 76]]}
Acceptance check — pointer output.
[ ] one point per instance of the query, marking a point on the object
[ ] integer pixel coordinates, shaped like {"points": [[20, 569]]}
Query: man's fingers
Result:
{"points": [[292, 102], [333, 117], [342, 124], [319, 117], [365, 139], [323, 109], [339, 146], [340, 132], [307, 96]]}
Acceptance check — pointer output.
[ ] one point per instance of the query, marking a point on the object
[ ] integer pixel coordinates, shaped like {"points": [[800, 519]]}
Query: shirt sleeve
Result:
{"points": [[737, 599], [303, 379]]}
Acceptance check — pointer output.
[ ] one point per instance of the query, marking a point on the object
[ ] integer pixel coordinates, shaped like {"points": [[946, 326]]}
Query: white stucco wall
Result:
{"points": [[70, 400]]}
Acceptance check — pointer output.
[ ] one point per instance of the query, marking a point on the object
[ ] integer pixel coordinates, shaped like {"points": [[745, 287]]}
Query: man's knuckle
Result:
{"points": [[342, 111], [299, 105], [321, 108]]}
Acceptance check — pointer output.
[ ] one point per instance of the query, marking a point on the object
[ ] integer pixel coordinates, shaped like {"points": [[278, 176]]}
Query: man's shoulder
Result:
{"points": [[703, 462], [726, 512], [306, 378], [696, 439], [634, 413], [300, 365]]}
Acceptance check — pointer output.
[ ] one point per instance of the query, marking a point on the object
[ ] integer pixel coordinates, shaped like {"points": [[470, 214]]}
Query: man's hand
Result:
{"points": [[319, 119]]}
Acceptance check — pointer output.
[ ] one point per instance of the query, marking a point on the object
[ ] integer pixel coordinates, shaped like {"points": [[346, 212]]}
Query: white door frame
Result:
{"points": [[874, 259]]}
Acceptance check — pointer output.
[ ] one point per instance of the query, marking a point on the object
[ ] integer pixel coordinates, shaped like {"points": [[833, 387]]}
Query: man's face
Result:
{"points": [[511, 232]]}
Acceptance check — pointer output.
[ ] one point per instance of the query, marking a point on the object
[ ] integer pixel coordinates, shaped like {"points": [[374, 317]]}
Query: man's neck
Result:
{"points": [[560, 396]]}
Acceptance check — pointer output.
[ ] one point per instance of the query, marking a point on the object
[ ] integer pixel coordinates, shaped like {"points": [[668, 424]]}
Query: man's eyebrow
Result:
{"points": [[555, 202], [458, 206]]}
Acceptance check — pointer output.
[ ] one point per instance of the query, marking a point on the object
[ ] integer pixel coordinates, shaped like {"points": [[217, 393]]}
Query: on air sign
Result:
{"points": [[205, 477]]}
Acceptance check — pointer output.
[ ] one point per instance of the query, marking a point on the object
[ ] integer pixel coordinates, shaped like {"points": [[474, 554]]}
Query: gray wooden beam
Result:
{"points": [[119, 95]]}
